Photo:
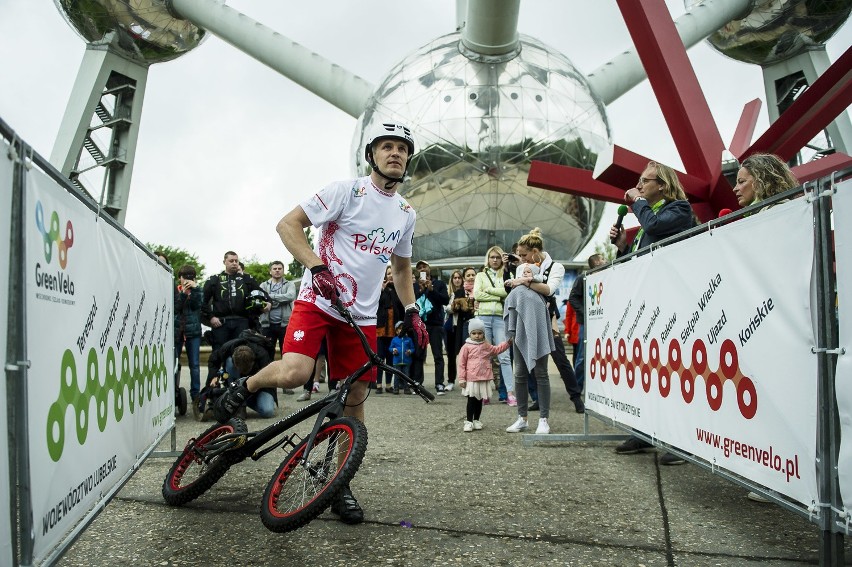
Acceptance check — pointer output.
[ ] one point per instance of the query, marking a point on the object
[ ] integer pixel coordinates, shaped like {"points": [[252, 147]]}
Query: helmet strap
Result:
{"points": [[391, 180]]}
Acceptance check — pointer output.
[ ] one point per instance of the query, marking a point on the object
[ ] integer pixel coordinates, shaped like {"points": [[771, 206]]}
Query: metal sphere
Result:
{"points": [[477, 125], [776, 30], [145, 29]]}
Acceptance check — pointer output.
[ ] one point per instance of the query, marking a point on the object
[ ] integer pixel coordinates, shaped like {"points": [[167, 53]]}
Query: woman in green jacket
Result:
{"points": [[489, 293]]}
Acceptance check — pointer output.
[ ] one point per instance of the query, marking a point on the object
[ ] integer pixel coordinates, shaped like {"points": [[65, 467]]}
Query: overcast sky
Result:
{"points": [[228, 146]]}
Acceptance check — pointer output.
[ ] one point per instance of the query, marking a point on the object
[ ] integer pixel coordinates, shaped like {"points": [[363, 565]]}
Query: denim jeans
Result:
{"points": [[542, 384], [397, 381], [275, 333], [384, 352], [230, 329], [261, 401], [495, 333], [193, 349], [580, 359], [436, 344]]}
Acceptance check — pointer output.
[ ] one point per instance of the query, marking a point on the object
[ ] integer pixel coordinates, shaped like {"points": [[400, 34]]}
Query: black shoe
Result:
{"points": [[378, 389], [439, 389], [633, 445], [533, 406], [230, 401], [396, 391], [579, 406], [288, 391], [347, 508], [672, 459]]}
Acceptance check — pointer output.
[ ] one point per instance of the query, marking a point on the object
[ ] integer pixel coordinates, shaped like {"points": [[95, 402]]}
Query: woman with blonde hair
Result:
{"points": [[531, 251], [489, 293], [761, 176]]}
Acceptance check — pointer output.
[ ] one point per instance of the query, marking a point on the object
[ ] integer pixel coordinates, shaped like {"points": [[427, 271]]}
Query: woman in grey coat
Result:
{"points": [[528, 320]]}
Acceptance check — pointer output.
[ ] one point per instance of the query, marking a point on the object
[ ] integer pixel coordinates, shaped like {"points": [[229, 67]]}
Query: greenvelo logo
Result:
{"points": [[132, 387], [51, 236]]}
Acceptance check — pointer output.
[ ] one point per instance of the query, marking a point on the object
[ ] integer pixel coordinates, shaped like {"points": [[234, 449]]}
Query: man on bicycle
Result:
{"points": [[362, 225]]}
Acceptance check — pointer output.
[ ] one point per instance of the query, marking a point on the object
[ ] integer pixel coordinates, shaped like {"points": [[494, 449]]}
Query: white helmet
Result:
{"points": [[388, 130]]}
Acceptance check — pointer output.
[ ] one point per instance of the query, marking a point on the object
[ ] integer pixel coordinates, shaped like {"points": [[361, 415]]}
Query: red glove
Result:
{"points": [[412, 322], [322, 282]]}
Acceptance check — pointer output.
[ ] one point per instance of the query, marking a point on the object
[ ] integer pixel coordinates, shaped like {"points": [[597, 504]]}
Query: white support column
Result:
{"points": [[343, 89], [625, 71], [491, 26], [100, 62]]}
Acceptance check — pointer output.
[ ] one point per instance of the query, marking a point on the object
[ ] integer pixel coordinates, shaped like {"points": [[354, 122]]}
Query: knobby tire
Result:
{"points": [[192, 474], [299, 493]]}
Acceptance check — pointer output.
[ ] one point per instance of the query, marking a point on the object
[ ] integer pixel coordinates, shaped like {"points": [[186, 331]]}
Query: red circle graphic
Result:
{"points": [[674, 355], [654, 353], [747, 409], [714, 384], [664, 382], [699, 357], [687, 386], [728, 350]]}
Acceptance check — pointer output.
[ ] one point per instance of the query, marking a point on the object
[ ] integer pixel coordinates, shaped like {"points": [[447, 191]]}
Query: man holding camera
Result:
{"points": [[225, 301]]}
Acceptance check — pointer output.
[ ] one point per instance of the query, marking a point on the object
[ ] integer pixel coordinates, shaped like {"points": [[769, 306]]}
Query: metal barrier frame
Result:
{"points": [[21, 513], [828, 513]]}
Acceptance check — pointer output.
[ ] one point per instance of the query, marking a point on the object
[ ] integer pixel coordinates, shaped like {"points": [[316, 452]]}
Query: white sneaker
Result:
{"points": [[518, 426], [468, 427], [305, 396], [543, 427], [477, 425], [449, 387]]}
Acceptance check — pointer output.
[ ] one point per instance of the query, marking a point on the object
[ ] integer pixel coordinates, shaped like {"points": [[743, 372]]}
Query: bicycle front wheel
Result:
{"points": [[299, 492], [195, 471]]}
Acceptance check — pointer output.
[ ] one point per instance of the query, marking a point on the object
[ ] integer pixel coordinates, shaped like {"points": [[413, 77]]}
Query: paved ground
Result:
{"points": [[471, 499]]}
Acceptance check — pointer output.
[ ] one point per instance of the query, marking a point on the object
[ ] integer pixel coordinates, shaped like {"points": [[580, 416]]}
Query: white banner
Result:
{"points": [[100, 340], [842, 204], [706, 345], [6, 167]]}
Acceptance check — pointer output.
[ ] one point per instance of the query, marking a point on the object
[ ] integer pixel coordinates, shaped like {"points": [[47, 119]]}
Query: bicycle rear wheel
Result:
{"points": [[299, 493], [194, 472]]}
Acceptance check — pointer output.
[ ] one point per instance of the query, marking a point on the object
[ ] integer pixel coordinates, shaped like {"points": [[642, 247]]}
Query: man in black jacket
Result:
{"points": [[227, 299], [436, 292]]}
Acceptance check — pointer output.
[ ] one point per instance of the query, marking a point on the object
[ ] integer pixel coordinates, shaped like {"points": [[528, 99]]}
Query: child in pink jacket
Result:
{"points": [[474, 371]]}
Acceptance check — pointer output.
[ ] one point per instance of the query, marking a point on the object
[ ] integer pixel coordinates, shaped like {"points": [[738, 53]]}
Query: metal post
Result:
{"points": [[828, 426], [16, 365]]}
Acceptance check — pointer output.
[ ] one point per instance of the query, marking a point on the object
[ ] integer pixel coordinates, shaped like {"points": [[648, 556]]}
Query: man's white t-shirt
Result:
{"points": [[360, 226]]}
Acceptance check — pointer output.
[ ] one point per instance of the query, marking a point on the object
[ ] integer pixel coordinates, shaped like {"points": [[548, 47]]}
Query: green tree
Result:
{"points": [[606, 249], [179, 257], [296, 269], [256, 269]]}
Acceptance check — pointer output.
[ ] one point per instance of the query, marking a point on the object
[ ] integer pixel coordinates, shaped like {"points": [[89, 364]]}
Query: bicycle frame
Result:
{"points": [[327, 408]]}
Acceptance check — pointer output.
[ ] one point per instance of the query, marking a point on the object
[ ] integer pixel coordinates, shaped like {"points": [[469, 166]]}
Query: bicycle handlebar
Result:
{"points": [[374, 358]]}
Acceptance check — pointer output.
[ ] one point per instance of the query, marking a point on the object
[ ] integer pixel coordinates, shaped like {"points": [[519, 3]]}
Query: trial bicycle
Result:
{"points": [[317, 467]]}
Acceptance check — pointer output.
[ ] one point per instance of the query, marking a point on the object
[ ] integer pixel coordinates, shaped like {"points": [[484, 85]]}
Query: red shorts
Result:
{"points": [[309, 325]]}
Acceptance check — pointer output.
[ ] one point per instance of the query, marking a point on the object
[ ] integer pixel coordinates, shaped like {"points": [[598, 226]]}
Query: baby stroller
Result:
{"points": [[180, 393]]}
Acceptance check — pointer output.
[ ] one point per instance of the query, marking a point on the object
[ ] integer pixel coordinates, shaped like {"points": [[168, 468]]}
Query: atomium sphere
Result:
{"points": [[776, 30], [144, 29], [477, 125]]}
